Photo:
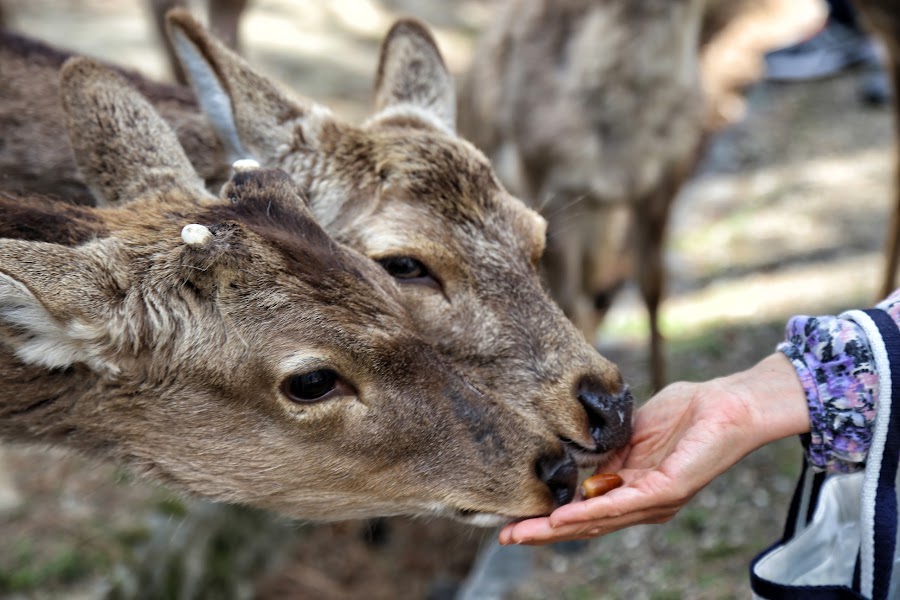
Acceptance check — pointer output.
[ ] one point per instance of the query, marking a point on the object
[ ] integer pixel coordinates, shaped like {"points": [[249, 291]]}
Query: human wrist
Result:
{"points": [[774, 398]]}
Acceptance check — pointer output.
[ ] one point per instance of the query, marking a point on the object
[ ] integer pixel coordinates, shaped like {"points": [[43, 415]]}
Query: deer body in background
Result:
{"points": [[248, 357], [594, 113], [406, 191]]}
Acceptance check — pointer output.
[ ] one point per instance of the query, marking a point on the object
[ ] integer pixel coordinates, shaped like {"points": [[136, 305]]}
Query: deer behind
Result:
{"points": [[247, 357], [593, 112]]}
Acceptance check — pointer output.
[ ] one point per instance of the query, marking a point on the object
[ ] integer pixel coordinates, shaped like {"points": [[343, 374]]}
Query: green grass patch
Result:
{"points": [[28, 571], [172, 506]]}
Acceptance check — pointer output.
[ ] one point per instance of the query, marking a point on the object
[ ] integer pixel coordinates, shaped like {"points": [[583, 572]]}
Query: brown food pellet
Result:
{"points": [[599, 484]]}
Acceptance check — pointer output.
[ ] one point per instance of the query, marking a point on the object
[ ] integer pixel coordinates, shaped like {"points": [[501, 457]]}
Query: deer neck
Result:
{"points": [[41, 405]]}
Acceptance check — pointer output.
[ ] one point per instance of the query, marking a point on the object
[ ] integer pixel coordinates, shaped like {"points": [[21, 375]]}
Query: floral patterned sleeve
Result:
{"points": [[835, 365]]}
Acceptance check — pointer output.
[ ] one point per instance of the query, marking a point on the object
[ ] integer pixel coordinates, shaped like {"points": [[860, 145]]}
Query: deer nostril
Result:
{"points": [[609, 415], [560, 473]]}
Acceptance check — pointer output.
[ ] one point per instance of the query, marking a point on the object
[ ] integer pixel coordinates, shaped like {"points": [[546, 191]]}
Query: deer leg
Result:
{"points": [[225, 19], [892, 239], [159, 8], [562, 263], [883, 18], [650, 229]]}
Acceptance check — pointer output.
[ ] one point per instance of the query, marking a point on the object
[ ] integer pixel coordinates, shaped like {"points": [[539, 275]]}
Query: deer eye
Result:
{"points": [[407, 269], [310, 387]]}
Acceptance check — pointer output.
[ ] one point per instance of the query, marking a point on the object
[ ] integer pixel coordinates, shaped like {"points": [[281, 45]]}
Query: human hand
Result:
{"points": [[683, 438]]}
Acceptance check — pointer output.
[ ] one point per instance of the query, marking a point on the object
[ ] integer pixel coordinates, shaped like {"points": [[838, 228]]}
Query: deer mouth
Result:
{"points": [[587, 458], [470, 517], [480, 519]]}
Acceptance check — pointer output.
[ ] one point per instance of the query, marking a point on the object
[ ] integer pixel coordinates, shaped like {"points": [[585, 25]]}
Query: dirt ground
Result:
{"points": [[787, 215]]}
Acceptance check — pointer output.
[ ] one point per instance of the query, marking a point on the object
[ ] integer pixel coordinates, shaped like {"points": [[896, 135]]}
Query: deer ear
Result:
{"points": [[54, 303], [412, 74], [252, 116], [123, 147]]}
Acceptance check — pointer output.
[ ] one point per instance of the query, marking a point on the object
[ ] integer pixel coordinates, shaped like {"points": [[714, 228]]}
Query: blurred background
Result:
{"points": [[786, 214]]}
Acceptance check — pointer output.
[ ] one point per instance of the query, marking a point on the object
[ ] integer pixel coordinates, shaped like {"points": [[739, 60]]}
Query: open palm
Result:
{"points": [[684, 437]]}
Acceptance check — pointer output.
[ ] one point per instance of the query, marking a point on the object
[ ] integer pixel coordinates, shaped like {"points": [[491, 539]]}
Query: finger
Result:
{"points": [[537, 533], [620, 502], [572, 532], [514, 533], [614, 503], [505, 537]]}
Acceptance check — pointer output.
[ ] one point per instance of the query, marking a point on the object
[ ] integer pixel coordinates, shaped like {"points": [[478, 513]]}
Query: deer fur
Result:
{"points": [[593, 112], [406, 191], [175, 350], [403, 185], [34, 155]]}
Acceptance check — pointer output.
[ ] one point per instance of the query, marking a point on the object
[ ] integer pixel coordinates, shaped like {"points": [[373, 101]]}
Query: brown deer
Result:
{"points": [[229, 347], [407, 192], [594, 113]]}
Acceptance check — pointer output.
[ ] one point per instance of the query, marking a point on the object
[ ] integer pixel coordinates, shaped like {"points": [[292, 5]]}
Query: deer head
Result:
{"points": [[229, 347], [406, 191]]}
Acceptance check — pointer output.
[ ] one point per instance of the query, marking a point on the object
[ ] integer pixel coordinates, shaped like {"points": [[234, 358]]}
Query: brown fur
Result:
{"points": [[404, 184], [34, 153], [118, 339], [593, 112]]}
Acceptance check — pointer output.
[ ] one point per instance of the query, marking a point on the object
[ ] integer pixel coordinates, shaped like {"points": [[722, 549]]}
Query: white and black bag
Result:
{"points": [[840, 539]]}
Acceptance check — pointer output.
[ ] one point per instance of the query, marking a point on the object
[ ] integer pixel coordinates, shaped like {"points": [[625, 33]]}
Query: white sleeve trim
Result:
{"points": [[879, 436]]}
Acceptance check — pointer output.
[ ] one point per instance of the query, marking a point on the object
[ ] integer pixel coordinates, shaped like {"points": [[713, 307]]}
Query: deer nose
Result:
{"points": [[560, 474], [609, 414]]}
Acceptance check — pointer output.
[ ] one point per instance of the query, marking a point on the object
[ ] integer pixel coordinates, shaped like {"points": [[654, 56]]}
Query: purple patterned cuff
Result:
{"points": [[834, 362]]}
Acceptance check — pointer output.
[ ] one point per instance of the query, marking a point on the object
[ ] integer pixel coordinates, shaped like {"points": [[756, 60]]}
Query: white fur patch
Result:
{"points": [[43, 340], [196, 236]]}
